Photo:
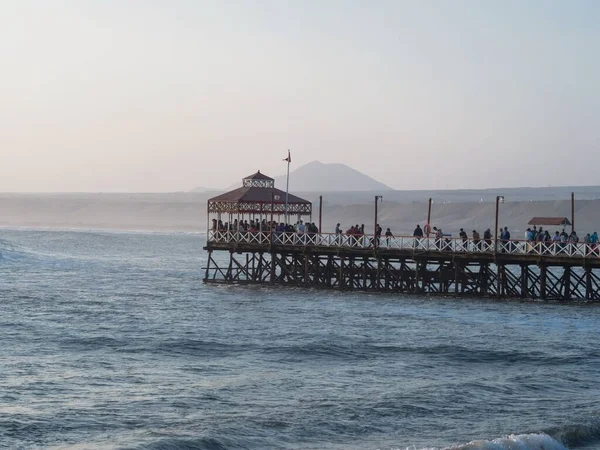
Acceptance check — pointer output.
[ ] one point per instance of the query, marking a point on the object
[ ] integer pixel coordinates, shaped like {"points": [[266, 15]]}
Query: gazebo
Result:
{"points": [[257, 199]]}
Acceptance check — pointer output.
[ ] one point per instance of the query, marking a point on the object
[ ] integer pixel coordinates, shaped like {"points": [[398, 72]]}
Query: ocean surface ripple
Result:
{"points": [[110, 340]]}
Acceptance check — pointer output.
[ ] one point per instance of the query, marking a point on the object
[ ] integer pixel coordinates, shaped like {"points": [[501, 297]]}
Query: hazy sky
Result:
{"points": [[148, 95]]}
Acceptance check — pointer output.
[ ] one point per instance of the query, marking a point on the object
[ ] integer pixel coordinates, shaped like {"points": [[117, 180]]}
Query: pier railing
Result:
{"points": [[445, 244]]}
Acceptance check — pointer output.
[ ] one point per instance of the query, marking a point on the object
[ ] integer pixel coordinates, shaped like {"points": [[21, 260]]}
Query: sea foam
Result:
{"points": [[533, 441]]}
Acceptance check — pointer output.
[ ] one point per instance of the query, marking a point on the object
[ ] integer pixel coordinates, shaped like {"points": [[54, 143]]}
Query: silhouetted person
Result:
{"points": [[487, 238], [465, 239], [476, 240]]}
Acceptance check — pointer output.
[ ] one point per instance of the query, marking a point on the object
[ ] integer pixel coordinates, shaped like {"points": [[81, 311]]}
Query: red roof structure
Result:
{"points": [[258, 176], [256, 196], [553, 221]]}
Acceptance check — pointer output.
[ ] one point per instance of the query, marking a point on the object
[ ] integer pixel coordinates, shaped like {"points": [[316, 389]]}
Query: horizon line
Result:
{"points": [[191, 191]]}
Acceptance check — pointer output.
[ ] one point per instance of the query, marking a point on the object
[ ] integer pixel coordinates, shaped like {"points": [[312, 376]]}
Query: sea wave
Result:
{"points": [[205, 443], [555, 438], [577, 435], [11, 253], [560, 438], [457, 353], [14, 253], [533, 441]]}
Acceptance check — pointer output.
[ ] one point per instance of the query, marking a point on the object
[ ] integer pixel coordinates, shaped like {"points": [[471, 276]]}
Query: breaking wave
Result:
{"points": [[532, 441], [187, 444], [10, 252], [556, 438], [577, 435]]}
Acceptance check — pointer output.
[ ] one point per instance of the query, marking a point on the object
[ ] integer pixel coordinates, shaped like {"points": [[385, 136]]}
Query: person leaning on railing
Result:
{"points": [[338, 234], [354, 233], [465, 240], [418, 235], [505, 240], [573, 241], [547, 243], [594, 241], [586, 241], [388, 236], [476, 241], [564, 237], [438, 237], [556, 242], [312, 231], [487, 238], [542, 239], [300, 230]]}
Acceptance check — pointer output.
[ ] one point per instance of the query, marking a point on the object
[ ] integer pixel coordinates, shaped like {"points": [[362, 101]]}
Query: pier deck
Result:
{"points": [[518, 269]]}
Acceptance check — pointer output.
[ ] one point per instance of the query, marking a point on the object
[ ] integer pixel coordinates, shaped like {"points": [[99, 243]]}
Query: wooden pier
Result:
{"points": [[482, 268], [512, 269]]}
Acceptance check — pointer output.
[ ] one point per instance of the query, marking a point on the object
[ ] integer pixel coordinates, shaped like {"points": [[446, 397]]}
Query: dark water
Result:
{"points": [[111, 341]]}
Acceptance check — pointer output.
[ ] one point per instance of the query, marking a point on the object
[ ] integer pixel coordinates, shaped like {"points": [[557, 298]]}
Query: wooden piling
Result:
{"points": [[432, 271]]}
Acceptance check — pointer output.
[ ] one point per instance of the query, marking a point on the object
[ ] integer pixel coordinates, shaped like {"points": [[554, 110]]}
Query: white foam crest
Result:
{"points": [[513, 442], [10, 252], [13, 253]]}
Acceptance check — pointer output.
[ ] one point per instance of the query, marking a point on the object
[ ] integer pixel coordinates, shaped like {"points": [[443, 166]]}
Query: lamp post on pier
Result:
{"points": [[428, 224], [320, 213], [499, 199], [377, 199], [572, 211]]}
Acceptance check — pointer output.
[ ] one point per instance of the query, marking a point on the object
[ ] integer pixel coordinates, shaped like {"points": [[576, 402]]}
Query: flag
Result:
{"points": [[289, 158]]}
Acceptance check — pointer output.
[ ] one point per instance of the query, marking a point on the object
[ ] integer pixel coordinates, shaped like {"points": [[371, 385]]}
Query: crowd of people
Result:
{"points": [[357, 233], [484, 241], [541, 235], [257, 226]]}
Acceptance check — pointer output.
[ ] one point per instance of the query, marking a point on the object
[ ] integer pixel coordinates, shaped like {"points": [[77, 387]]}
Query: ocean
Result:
{"points": [[110, 340]]}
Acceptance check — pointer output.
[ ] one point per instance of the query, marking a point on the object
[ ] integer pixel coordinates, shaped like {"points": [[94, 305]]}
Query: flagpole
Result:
{"points": [[287, 189]]}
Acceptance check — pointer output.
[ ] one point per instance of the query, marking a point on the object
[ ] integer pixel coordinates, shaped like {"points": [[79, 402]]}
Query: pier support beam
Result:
{"points": [[424, 272], [543, 276], [500, 280], [566, 283], [457, 278], [483, 279], [207, 272], [306, 277], [589, 295], [524, 280], [272, 267]]}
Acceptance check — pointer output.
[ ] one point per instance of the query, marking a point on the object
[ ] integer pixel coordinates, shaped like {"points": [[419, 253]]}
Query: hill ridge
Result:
{"points": [[329, 177]]}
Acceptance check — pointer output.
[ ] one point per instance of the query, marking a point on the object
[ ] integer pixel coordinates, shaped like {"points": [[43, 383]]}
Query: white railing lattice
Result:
{"points": [[452, 245]]}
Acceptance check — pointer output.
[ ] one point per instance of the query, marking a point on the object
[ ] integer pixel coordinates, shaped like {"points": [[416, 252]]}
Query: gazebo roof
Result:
{"points": [[256, 196], [258, 176], [259, 195]]}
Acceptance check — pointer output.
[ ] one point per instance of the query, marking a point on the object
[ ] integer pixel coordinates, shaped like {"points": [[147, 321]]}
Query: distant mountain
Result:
{"points": [[201, 189], [318, 177]]}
